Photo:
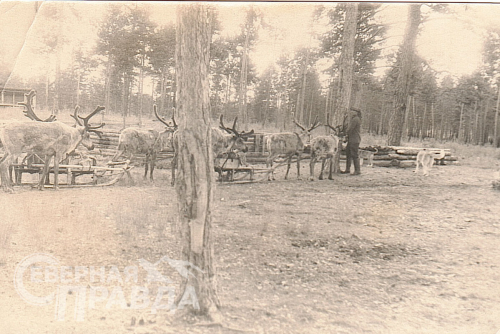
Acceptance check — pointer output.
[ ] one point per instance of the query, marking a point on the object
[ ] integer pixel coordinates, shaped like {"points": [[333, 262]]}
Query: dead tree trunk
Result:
{"points": [[141, 88], [475, 135], [124, 100], [301, 95], [461, 130], [484, 138], [243, 82], [433, 129], [107, 85], [195, 180], [423, 126], [404, 77], [496, 141]]}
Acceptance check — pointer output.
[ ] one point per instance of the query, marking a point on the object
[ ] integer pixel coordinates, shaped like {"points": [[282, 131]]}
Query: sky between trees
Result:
{"points": [[449, 42]]}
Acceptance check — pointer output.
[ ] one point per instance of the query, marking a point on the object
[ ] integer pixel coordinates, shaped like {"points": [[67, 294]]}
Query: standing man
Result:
{"points": [[353, 140]]}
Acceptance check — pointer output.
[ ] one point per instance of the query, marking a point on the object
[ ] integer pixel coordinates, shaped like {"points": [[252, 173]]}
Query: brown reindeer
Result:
{"points": [[325, 148], [287, 145], [145, 141], [224, 140], [48, 140]]}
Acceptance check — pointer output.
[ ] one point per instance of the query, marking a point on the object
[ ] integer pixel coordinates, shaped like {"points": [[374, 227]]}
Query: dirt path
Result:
{"points": [[386, 252]]}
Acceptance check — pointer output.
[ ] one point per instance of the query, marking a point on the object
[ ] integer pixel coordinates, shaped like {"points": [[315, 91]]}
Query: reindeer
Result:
{"points": [[288, 144], [145, 141], [325, 148], [49, 140], [224, 140], [28, 112]]}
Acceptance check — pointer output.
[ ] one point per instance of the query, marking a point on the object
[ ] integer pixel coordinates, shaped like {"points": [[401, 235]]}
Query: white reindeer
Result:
{"points": [[224, 140], [287, 145], [325, 148], [49, 140], [145, 141]]}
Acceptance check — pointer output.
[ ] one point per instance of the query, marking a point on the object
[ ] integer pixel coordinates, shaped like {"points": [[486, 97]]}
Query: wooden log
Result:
{"points": [[407, 163], [383, 163], [415, 151], [416, 148]]}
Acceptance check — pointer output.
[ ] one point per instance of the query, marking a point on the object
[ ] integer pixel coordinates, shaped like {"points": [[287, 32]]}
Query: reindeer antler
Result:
{"points": [[87, 118], [299, 125], [337, 130], [222, 126], [75, 116], [315, 124], [155, 109], [245, 135], [29, 112], [233, 130]]}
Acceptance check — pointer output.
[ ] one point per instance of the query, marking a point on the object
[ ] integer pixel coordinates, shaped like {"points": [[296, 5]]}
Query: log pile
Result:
{"points": [[401, 156]]}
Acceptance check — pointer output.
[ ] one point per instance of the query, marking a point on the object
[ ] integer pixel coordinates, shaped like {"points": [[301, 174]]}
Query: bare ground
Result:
{"points": [[386, 252]]}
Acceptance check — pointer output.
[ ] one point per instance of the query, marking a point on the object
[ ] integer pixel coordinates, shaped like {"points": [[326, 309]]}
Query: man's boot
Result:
{"points": [[357, 167], [347, 167]]}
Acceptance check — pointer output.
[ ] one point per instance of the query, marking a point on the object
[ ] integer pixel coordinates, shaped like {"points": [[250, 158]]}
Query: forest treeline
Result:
{"points": [[131, 49]]}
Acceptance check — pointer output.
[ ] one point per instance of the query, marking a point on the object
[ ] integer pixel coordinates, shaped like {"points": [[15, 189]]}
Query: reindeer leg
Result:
{"points": [[148, 157], [152, 161], [118, 154], [289, 162], [311, 168], [330, 173], [323, 163], [11, 169], [174, 165], [56, 172], [4, 171], [269, 163], [298, 166], [45, 174]]}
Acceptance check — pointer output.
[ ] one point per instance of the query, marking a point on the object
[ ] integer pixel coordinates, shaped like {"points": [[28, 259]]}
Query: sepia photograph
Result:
{"points": [[249, 167]]}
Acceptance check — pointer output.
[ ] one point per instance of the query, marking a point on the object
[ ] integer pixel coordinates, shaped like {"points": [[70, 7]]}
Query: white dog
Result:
{"points": [[367, 155], [426, 159]]}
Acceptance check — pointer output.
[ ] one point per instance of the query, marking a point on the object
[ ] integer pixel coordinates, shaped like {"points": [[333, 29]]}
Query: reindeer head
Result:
{"points": [[237, 142], [30, 113], [305, 134], [166, 134], [339, 130], [85, 128]]}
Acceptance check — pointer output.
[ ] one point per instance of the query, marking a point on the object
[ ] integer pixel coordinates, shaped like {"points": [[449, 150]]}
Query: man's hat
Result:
{"points": [[356, 110]]}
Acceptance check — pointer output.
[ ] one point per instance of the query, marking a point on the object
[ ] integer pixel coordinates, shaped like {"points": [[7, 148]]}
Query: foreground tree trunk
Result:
{"points": [[347, 61], [404, 76], [346, 71], [195, 180]]}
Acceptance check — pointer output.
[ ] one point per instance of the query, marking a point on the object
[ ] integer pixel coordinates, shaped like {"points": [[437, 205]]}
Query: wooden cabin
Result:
{"points": [[9, 99]]}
